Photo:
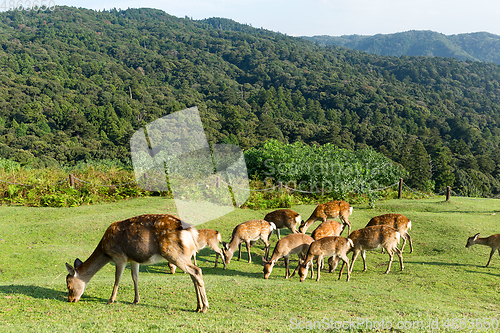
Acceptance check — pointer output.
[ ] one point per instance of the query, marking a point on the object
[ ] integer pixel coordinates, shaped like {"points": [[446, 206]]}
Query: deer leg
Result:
{"points": [[354, 257], [391, 256], [223, 259], [320, 261], [400, 255], [216, 259], [345, 221], [409, 241], [287, 267], [491, 255], [363, 255], [296, 268], [134, 267], [277, 233], [239, 251], [346, 262], [342, 268], [194, 258], [268, 245], [248, 250], [197, 278], [119, 268]]}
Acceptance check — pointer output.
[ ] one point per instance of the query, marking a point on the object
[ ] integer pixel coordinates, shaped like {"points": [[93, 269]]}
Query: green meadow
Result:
{"points": [[444, 286]]}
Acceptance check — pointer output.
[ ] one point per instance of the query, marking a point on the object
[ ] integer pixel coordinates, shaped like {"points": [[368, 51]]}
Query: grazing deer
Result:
{"points": [[332, 209], [144, 239], [291, 244], [284, 218], [335, 246], [372, 238], [209, 237], [399, 222], [327, 228], [492, 241], [212, 238], [248, 232]]}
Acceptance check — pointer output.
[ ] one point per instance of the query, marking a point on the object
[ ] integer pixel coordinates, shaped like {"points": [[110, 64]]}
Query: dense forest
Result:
{"points": [[477, 46], [75, 84]]}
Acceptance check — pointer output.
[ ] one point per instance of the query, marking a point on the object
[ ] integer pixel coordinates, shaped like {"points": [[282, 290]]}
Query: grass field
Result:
{"points": [[443, 286]]}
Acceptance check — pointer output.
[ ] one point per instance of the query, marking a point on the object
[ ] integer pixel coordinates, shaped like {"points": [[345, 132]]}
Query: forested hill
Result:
{"points": [[75, 84], [478, 46]]}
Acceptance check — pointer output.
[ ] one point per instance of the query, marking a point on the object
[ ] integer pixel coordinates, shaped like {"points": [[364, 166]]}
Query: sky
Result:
{"points": [[330, 17]]}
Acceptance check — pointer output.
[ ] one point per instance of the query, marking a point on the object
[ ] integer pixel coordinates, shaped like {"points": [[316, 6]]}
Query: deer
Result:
{"points": [[297, 243], [140, 240], [212, 238], [399, 222], [248, 232], [284, 218], [333, 246], [374, 237], [492, 241], [332, 209], [209, 237], [327, 228]]}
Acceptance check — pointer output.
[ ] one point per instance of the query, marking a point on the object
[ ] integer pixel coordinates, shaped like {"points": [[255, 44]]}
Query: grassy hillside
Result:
{"points": [[443, 283]]}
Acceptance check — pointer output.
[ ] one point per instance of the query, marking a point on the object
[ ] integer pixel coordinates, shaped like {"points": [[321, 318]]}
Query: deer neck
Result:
{"points": [[97, 260], [233, 245], [481, 241]]}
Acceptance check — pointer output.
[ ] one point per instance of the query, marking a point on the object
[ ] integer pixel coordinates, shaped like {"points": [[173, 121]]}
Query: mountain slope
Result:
{"points": [[480, 46], [75, 84]]}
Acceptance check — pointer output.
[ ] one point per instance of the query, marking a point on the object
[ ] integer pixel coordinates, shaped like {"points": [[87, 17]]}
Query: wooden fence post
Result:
{"points": [[71, 180], [281, 186], [217, 182], [448, 193], [400, 191]]}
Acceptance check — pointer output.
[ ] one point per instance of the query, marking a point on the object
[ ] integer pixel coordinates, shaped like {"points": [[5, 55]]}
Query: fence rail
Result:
{"points": [[72, 179]]}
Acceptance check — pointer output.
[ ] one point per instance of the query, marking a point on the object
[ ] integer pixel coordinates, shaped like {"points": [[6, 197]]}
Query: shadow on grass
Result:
{"points": [[438, 263], [483, 272], [35, 292]]}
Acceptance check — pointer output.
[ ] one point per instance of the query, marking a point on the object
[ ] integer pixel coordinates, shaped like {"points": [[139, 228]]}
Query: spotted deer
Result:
{"points": [[333, 246], [291, 244], [210, 238], [284, 218], [145, 240], [492, 241], [248, 232], [327, 228], [332, 209], [399, 222], [375, 237]]}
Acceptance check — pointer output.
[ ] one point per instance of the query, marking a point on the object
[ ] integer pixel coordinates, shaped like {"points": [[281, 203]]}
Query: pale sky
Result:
{"points": [[330, 17]]}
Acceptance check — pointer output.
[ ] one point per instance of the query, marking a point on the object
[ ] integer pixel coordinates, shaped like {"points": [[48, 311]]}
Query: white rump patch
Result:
{"points": [[188, 238], [273, 226]]}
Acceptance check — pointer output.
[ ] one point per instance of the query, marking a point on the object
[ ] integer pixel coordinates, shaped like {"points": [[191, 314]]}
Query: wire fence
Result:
{"points": [[72, 179]]}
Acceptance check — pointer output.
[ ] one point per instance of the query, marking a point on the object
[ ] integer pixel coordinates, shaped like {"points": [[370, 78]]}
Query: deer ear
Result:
{"points": [[224, 245], [70, 269], [476, 236], [77, 263]]}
